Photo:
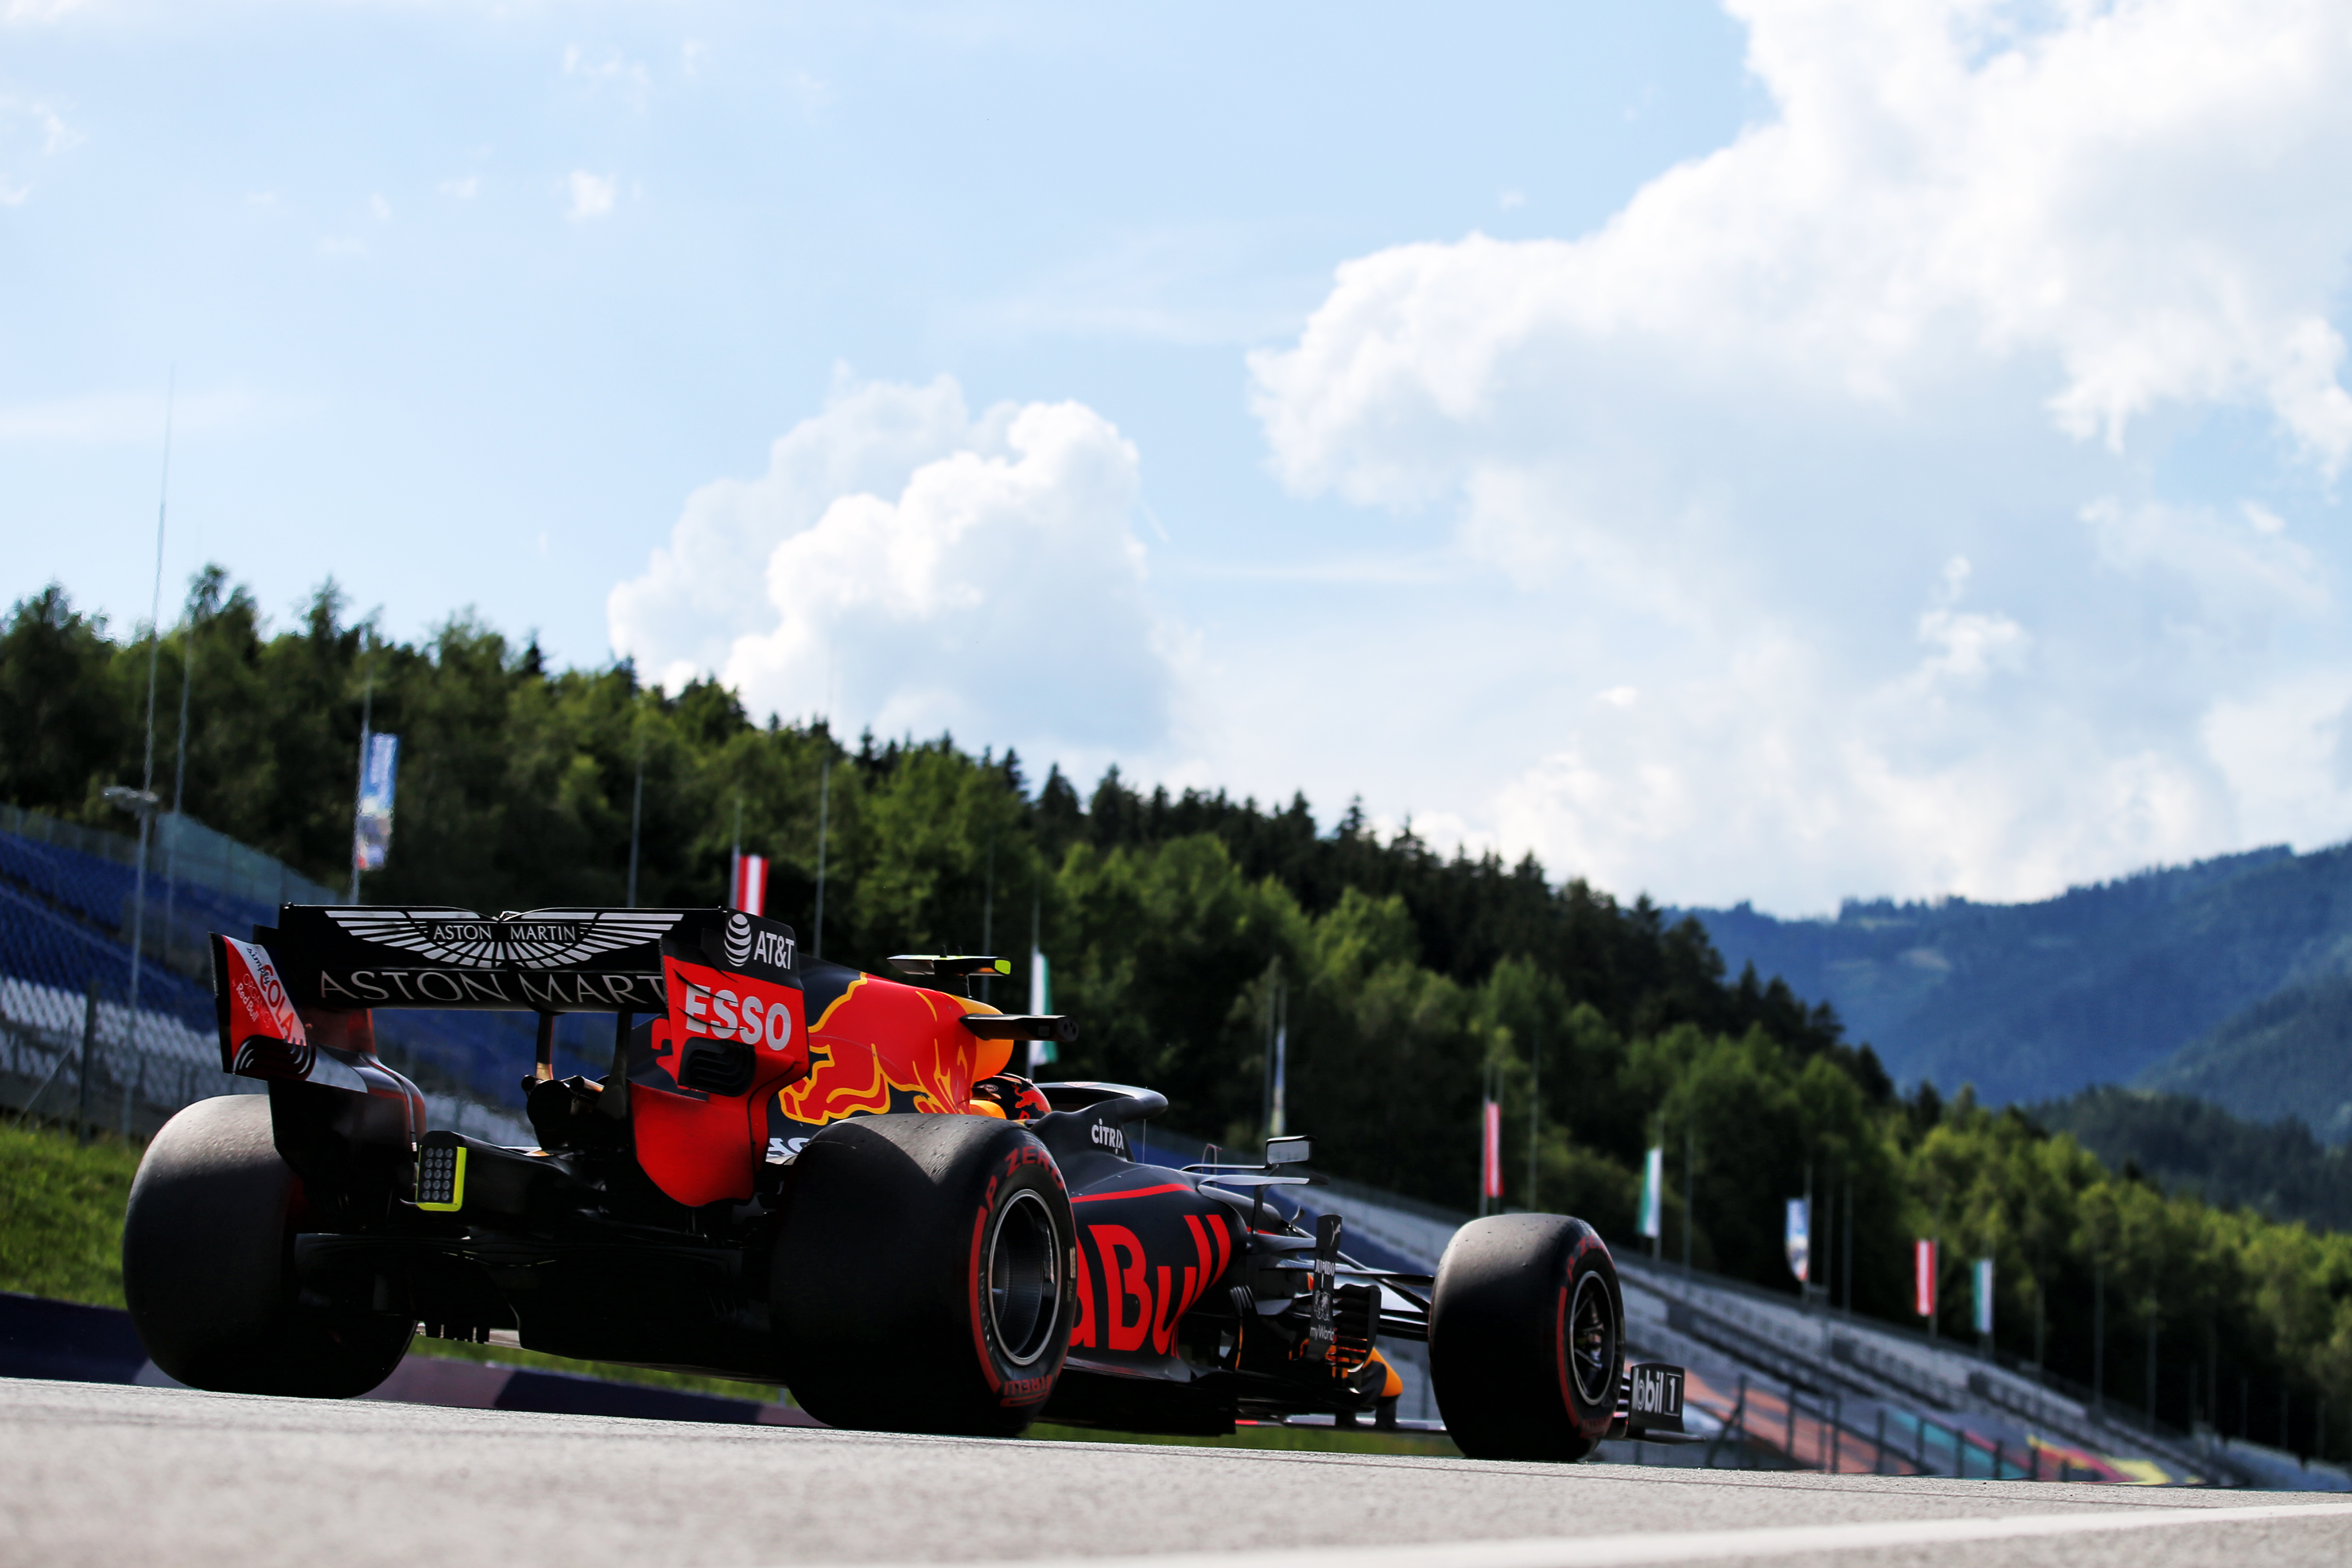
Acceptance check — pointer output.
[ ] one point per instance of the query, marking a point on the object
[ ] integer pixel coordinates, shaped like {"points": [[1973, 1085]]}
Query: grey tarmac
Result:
{"points": [[96, 1473]]}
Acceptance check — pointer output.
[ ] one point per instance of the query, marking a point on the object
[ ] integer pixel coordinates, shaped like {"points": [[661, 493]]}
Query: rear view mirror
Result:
{"points": [[1289, 1151]]}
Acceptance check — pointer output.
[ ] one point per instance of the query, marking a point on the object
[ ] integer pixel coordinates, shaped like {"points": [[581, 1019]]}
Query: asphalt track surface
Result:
{"points": [[98, 1473]]}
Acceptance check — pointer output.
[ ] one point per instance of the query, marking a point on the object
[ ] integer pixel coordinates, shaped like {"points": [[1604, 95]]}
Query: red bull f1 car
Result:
{"points": [[798, 1173]]}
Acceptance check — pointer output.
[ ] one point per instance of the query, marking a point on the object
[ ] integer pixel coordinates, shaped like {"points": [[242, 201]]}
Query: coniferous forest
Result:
{"points": [[1410, 979]]}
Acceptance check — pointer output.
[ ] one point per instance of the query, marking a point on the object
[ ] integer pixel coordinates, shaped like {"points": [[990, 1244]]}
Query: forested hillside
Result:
{"points": [[2289, 1055], [1171, 920], [2191, 1146], [2101, 984]]}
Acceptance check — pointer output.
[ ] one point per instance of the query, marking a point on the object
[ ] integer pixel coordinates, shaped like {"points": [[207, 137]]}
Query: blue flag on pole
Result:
{"points": [[1654, 1183], [1798, 1237], [371, 830]]}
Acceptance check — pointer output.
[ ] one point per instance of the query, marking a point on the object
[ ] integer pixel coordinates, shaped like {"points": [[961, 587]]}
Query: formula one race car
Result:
{"points": [[797, 1173]]}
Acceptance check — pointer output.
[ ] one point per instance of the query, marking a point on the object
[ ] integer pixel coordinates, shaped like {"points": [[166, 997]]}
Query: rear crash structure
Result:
{"points": [[798, 1173]]}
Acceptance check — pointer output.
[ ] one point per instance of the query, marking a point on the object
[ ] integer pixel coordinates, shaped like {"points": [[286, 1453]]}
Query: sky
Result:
{"points": [[1782, 451]]}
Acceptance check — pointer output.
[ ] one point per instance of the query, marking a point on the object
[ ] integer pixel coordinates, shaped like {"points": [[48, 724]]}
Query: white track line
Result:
{"points": [[1708, 1545]]}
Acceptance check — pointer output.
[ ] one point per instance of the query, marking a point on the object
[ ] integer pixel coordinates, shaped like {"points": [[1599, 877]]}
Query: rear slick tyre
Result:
{"points": [[921, 1279], [1526, 1338], [208, 1267]]}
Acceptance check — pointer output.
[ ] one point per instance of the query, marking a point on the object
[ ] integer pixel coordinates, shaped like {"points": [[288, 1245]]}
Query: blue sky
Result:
{"points": [[1808, 449]]}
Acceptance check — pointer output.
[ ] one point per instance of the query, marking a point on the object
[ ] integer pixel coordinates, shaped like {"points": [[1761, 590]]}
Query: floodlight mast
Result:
{"points": [[179, 781], [636, 804], [146, 792], [823, 801]]}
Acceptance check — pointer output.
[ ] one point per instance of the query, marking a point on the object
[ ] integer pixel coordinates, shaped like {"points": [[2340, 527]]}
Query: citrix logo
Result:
{"points": [[1109, 1137], [739, 939]]}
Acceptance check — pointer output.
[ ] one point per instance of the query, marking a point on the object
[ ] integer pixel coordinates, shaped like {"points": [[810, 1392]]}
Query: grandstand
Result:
{"points": [[68, 896]]}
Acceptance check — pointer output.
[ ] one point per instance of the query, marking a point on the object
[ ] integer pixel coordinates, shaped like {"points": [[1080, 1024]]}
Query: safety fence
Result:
{"points": [[75, 1045], [201, 859], [1801, 1428], [49, 1076]]}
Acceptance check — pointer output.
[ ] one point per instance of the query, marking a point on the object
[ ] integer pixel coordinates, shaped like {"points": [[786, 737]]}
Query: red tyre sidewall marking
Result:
{"points": [[1598, 1424], [1016, 1392], [1560, 1348], [1039, 1387], [979, 1303]]}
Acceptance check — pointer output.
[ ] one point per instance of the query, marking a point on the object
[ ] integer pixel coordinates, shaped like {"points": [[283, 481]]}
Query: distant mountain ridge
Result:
{"points": [[2229, 979]]}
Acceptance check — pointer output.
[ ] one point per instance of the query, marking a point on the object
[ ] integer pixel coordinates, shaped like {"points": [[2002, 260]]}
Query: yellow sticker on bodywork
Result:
{"points": [[441, 1179]]}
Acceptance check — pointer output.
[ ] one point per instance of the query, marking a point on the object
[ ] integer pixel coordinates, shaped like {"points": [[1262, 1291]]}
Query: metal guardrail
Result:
{"points": [[1812, 1363], [130, 1091], [2082, 1426], [1712, 1329]]}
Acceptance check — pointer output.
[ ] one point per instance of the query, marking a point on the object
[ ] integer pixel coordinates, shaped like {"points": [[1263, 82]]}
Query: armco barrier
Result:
{"points": [[67, 1341]]}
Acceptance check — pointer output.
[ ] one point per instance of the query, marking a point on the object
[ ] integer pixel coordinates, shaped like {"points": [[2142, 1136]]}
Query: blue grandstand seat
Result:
{"points": [[83, 885], [61, 921]]}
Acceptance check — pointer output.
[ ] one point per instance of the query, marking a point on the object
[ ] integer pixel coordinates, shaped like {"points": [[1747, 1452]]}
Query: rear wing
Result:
{"points": [[297, 1002], [344, 957], [300, 997]]}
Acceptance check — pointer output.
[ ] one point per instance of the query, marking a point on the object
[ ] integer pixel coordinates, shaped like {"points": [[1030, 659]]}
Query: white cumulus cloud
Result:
{"points": [[592, 195], [1847, 445], [29, 131], [905, 565]]}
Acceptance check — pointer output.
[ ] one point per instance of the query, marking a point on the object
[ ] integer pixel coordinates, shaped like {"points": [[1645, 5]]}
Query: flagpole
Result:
{"points": [[1281, 1052], [359, 791], [179, 783], [1534, 1106], [1805, 1286], [823, 800], [636, 809], [735, 859], [147, 778], [1690, 1189], [1038, 1002], [988, 912]]}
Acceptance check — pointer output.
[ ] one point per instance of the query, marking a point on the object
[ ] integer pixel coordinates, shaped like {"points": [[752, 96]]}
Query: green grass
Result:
{"points": [[61, 1214], [539, 1361]]}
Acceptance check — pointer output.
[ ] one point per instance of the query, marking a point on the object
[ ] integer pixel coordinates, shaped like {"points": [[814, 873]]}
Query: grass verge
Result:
{"points": [[539, 1361], [61, 1214]]}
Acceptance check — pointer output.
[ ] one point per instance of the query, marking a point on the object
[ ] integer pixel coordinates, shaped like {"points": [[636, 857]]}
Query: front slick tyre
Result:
{"points": [[208, 1267], [1526, 1341], [921, 1281]]}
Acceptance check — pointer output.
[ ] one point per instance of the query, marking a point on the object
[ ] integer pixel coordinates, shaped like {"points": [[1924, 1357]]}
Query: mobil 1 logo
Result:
{"points": [[1653, 1397]]}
